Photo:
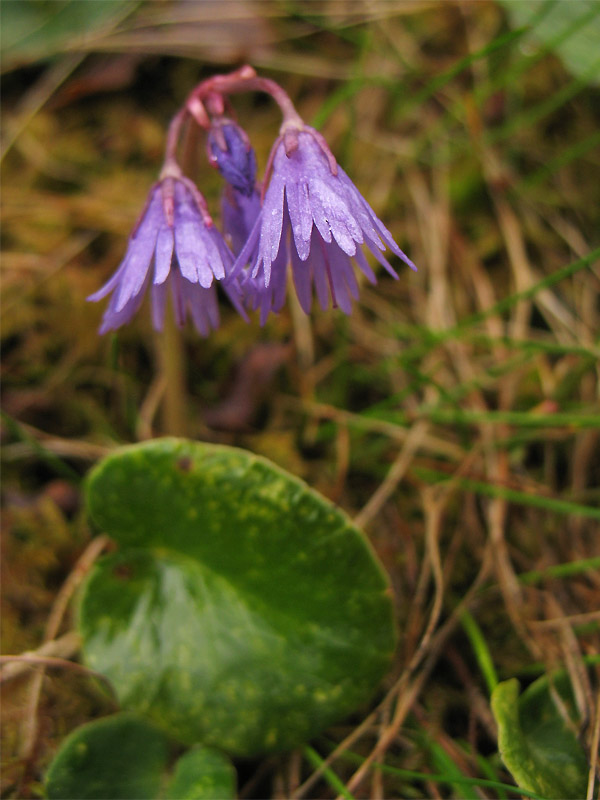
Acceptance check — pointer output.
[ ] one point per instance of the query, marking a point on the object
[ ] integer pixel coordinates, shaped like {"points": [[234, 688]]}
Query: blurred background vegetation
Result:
{"points": [[454, 415]]}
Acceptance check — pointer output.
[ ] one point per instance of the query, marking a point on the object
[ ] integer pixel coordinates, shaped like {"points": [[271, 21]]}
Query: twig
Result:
{"points": [[34, 660], [396, 473], [571, 619], [62, 648], [571, 650], [595, 749], [343, 746], [30, 722], [430, 443]]}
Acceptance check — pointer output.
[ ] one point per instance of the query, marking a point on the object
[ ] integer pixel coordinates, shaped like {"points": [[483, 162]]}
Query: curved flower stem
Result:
{"points": [[173, 135], [209, 95], [208, 98], [245, 79]]}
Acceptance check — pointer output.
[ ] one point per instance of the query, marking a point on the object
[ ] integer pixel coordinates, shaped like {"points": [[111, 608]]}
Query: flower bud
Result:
{"points": [[231, 152]]}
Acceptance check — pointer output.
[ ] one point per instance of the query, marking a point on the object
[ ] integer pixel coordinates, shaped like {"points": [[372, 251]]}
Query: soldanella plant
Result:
{"points": [[306, 213], [240, 613]]}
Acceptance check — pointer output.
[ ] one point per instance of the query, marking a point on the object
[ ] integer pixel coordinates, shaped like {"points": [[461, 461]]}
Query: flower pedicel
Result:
{"points": [[311, 216]]}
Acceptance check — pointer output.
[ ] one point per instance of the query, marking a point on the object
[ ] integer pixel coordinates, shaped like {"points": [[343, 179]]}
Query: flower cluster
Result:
{"points": [[307, 217]]}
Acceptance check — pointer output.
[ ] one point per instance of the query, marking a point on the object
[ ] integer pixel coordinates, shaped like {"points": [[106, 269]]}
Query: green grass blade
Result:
{"points": [[480, 648], [332, 779], [550, 504], [413, 775], [560, 570]]}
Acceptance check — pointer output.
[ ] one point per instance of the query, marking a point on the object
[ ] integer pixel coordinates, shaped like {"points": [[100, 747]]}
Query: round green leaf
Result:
{"points": [[202, 774], [536, 743], [114, 758], [244, 610]]}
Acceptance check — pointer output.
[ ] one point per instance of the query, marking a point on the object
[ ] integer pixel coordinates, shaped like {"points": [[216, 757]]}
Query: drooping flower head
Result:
{"points": [[174, 246], [315, 214], [310, 216]]}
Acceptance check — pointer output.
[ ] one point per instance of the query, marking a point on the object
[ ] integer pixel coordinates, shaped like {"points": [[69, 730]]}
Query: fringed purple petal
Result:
{"points": [[381, 258], [249, 252], [344, 267], [109, 285], [272, 221], [300, 216], [279, 277], [236, 298], [203, 308], [239, 214], [216, 248], [364, 266], [334, 213], [191, 252], [192, 239], [339, 289], [113, 317], [301, 273], [268, 263], [201, 250], [360, 209], [372, 216], [273, 298], [319, 271], [163, 255], [139, 254], [343, 236], [317, 191], [278, 269]]}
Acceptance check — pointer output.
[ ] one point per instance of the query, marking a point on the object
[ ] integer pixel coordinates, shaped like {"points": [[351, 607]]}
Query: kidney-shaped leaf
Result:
{"points": [[113, 758], [536, 743], [123, 757], [244, 610]]}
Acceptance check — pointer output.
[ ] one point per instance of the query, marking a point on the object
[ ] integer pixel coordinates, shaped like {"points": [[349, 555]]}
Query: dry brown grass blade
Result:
{"points": [[29, 724], [433, 503], [572, 657], [430, 443], [69, 448], [595, 751], [36, 98], [30, 660], [396, 472], [62, 648]]}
